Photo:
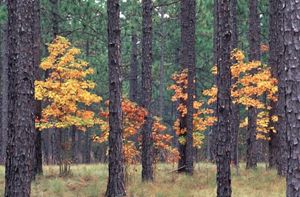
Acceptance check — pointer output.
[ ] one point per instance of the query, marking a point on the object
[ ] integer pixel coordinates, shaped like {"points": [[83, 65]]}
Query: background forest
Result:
{"points": [[189, 95]]}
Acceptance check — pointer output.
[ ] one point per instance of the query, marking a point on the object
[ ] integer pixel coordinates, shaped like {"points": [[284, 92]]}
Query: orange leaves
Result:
{"points": [[252, 80], [201, 116], [133, 120], [179, 86], [65, 88]]}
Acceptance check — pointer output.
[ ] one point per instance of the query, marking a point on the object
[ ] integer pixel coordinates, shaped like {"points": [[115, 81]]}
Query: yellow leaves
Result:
{"points": [[66, 88], [133, 120], [237, 55], [212, 93], [201, 116]]}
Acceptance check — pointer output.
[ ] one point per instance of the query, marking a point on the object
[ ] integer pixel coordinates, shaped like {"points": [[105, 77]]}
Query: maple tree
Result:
{"points": [[133, 120], [202, 117], [248, 89], [66, 89]]}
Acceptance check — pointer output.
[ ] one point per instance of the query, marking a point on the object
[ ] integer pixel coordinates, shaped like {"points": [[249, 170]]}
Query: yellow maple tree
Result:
{"points": [[133, 120], [66, 88], [202, 117], [252, 80]]}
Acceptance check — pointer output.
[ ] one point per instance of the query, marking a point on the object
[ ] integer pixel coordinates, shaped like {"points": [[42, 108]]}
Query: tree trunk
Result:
{"points": [[235, 119], [74, 144], [38, 166], [147, 140], [161, 64], [278, 149], [254, 55], [133, 83], [21, 130], [4, 92], [292, 62], [273, 62], [188, 61], [223, 136], [116, 179]]}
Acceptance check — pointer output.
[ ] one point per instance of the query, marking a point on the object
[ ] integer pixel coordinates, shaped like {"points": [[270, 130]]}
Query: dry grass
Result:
{"points": [[90, 181]]}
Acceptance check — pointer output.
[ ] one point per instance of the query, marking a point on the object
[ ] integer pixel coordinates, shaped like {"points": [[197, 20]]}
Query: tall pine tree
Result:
{"points": [[21, 129]]}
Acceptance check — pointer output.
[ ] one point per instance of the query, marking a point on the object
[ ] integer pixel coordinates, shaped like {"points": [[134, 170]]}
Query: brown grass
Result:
{"points": [[90, 181]]}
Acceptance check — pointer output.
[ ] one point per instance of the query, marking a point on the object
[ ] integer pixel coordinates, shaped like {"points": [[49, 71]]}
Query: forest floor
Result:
{"points": [[90, 181]]}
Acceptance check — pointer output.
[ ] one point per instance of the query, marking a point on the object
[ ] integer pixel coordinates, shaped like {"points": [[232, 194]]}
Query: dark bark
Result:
{"points": [[278, 149], [133, 83], [254, 55], [273, 62], [74, 144], [235, 119], [212, 135], [4, 92], [161, 63], [38, 165], [223, 136], [188, 61], [87, 140], [116, 179], [21, 105], [1, 89], [292, 62], [147, 140], [87, 150]]}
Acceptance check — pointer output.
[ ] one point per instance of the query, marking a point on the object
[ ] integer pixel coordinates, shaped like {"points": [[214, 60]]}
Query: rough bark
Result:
{"points": [[4, 92], [281, 127], [235, 119], [254, 55], [223, 136], [133, 83], [74, 144], [21, 105], [116, 179], [273, 62], [38, 165], [1, 88], [147, 140], [213, 133], [278, 149], [292, 62], [161, 64], [188, 61]]}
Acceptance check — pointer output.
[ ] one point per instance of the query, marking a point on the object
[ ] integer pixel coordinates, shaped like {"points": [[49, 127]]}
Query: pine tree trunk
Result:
{"points": [[273, 62], [4, 92], [116, 180], [292, 62], [38, 166], [278, 144], [21, 130], [188, 61], [1, 89], [254, 55], [161, 64], [74, 144], [223, 136], [133, 83], [147, 140], [235, 119]]}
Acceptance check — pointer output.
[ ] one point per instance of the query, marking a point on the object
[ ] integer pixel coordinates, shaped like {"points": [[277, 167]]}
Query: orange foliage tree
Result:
{"points": [[133, 120], [66, 89], [202, 117], [249, 88]]}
